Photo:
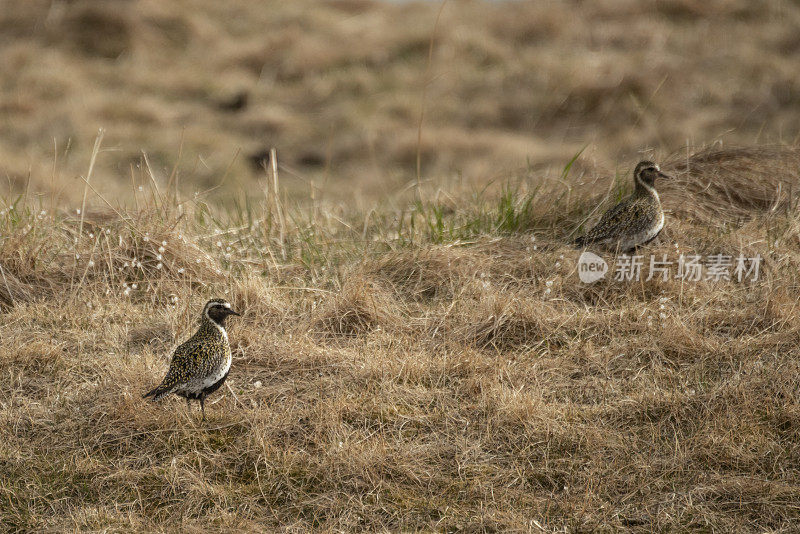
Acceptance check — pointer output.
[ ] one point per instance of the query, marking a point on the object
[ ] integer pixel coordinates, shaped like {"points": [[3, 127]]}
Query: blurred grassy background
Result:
{"points": [[339, 87]]}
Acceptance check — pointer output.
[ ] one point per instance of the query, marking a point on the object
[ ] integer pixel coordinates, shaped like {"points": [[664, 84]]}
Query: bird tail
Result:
{"points": [[158, 393], [580, 242]]}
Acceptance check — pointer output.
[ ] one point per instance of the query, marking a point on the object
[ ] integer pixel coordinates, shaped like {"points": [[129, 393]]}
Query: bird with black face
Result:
{"points": [[201, 364], [636, 220]]}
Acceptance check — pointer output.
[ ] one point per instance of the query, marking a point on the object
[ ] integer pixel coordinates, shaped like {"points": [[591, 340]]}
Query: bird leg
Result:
{"points": [[203, 405]]}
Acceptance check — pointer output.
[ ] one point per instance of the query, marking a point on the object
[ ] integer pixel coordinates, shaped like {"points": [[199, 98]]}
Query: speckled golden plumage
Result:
{"points": [[634, 221], [200, 365]]}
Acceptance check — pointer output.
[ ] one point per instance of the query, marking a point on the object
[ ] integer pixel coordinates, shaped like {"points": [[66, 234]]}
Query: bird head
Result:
{"points": [[218, 310], [646, 173]]}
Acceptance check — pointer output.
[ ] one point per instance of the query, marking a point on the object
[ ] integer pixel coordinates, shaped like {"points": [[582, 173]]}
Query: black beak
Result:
{"points": [[662, 175], [231, 312]]}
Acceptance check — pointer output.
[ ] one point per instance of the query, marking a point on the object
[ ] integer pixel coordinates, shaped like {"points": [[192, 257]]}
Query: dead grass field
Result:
{"points": [[438, 370], [413, 355], [338, 86]]}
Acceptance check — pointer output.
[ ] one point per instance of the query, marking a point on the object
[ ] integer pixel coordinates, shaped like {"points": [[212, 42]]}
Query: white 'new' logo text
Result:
{"points": [[591, 267]]}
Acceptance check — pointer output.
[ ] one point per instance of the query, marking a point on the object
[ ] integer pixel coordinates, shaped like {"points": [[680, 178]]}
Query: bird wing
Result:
{"points": [[614, 221], [182, 369]]}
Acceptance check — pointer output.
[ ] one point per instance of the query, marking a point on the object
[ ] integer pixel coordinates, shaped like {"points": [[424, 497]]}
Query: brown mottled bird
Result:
{"points": [[200, 365], [636, 220]]}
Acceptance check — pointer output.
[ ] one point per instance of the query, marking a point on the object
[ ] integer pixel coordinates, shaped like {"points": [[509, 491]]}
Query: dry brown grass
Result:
{"points": [[410, 359], [337, 87], [407, 383]]}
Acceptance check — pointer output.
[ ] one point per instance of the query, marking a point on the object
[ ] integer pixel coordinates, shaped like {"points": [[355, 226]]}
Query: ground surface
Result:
{"points": [[413, 354]]}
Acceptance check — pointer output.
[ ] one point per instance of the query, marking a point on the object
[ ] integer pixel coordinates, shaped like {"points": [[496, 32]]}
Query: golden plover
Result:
{"points": [[634, 221], [201, 364]]}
